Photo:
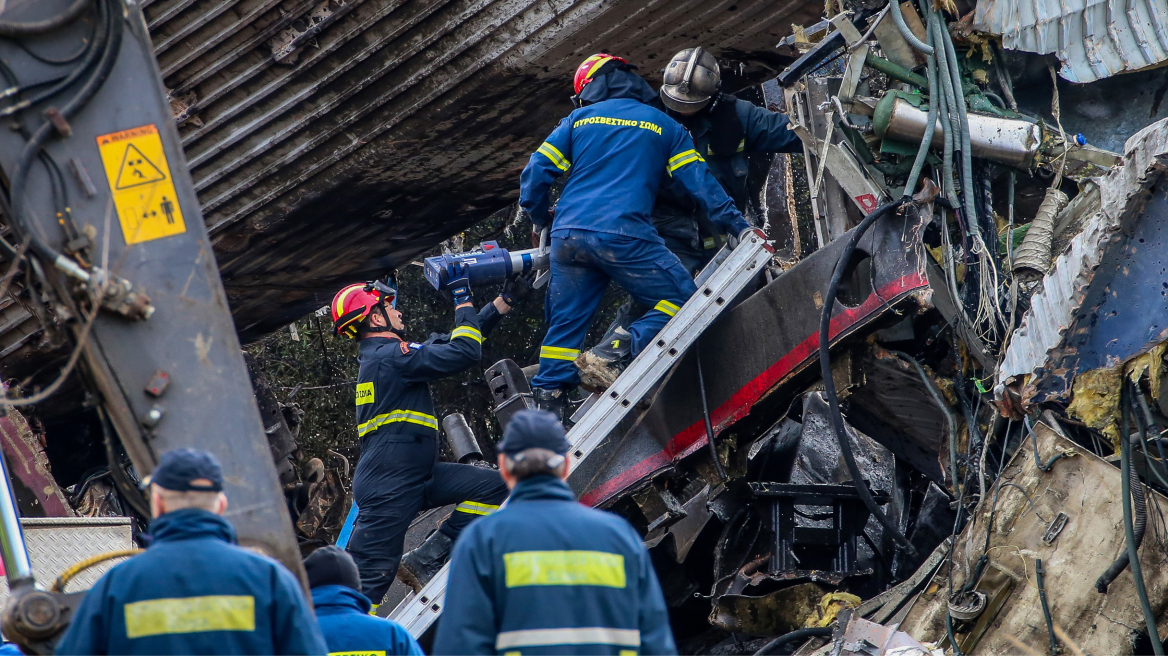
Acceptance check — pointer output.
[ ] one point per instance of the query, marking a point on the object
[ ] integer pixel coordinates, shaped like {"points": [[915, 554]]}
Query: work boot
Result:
{"points": [[600, 366], [421, 564], [554, 401]]}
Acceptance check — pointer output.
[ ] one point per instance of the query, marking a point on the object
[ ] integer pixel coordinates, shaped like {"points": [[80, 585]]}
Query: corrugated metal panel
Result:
{"points": [[1054, 309], [331, 140], [57, 543], [1093, 38]]}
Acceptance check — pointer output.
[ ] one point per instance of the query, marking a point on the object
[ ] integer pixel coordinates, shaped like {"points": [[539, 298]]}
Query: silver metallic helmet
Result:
{"points": [[691, 80]]}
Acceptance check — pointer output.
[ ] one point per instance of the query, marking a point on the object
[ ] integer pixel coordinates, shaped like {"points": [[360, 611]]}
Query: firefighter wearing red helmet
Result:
{"points": [[399, 474], [615, 151]]}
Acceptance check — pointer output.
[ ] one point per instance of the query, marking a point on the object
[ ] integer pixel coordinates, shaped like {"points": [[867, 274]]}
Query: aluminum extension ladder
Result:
{"points": [[718, 284]]}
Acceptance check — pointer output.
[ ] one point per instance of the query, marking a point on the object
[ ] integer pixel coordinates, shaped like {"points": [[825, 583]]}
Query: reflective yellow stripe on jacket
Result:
{"points": [[190, 615], [475, 508], [551, 152], [537, 568], [557, 353], [469, 332], [681, 159], [408, 416]]}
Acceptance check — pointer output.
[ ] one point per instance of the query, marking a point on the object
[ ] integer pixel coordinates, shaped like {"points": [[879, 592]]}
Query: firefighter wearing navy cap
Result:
{"points": [[615, 151], [193, 591], [546, 574], [399, 474]]}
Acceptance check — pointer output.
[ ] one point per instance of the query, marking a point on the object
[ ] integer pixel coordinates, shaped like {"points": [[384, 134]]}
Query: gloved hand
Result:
{"points": [[457, 283], [732, 241], [517, 288]]}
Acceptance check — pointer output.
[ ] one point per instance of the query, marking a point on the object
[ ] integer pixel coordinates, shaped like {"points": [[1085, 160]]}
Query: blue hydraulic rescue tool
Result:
{"points": [[489, 264]]}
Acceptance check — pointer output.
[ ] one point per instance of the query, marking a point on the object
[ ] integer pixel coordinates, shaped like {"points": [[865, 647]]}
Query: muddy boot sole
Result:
{"points": [[410, 579], [596, 373]]}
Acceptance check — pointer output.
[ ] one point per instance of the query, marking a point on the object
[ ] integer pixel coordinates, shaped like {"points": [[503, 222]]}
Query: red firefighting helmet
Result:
{"points": [[590, 67], [354, 303]]}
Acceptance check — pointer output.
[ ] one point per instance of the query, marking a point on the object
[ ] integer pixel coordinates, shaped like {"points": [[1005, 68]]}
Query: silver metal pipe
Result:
{"points": [[1006, 141], [16, 564]]}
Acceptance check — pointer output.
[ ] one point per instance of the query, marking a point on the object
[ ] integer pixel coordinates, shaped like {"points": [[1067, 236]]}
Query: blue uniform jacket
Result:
{"points": [[547, 575], [194, 592], [392, 391], [615, 153], [761, 131], [348, 627]]}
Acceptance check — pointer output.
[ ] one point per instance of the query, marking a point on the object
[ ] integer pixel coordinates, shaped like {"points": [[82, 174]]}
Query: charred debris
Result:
{"points": [[937, 423]]}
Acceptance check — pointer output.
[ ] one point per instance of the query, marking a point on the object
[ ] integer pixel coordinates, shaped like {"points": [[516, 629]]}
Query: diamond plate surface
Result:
{"points": [[55, 543]]}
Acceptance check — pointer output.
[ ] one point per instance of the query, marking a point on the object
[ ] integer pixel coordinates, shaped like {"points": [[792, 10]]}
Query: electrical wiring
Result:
{"points": [[12, 29]]}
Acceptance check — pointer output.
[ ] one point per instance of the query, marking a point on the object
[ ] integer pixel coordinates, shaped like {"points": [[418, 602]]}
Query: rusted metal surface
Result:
{"points": [[37, 492], [329, 141]]}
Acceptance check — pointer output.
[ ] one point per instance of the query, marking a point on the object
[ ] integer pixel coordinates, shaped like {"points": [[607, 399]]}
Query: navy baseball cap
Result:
{"points": [[534, 429], [177, 470]]}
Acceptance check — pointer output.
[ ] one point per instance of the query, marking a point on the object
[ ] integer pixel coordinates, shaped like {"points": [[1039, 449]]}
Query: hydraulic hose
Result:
{"points": [[1132, 480], [1129, 529], [898, 18], [963, 125], [12, 29], [946, 115], [706, 414], [788, 638], [92, 51], [940, 401], [930, 125], [837, 419], [105, 64]]}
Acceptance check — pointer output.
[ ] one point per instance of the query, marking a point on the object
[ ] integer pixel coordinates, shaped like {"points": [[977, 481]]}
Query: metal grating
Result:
{"points": [[56, 543]]}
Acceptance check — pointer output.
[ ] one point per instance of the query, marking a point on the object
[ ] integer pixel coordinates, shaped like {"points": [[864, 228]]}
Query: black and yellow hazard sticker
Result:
{"points": [[141, 183]]}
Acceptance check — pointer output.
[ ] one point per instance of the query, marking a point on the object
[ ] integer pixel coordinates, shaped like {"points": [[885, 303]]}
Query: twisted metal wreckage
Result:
{"points": [[935, 422]]}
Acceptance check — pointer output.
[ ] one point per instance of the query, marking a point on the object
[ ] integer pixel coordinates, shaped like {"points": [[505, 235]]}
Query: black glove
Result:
{"points": [[516, 289], [458, 283]]}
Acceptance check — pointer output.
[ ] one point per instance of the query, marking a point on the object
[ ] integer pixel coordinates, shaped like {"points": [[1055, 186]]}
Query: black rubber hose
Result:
{"points": [[13, 29], [1039, 574], [1138, 501], [91, 53], [706, 414], [837, 419], [1128, 494], [798, 634], [109, 57]]}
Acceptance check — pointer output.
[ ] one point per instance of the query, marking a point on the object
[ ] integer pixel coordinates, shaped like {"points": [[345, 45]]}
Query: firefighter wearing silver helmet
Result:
{"points": [[725, 130], [691, 80]]}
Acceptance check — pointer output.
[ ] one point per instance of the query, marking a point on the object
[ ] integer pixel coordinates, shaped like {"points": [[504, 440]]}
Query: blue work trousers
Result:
{"points": [[582, 264]]}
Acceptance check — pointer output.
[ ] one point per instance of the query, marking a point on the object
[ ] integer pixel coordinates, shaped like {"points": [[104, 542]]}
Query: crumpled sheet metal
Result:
{"points": [[1052, 311], [864, 638], [1093, 39]]}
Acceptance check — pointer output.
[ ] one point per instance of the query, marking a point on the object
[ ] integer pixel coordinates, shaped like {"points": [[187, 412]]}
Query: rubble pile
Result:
{"points": [[937, 424]]}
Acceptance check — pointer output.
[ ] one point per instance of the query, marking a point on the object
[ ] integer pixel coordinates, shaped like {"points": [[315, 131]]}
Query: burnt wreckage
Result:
{"points": [[933, 423]]}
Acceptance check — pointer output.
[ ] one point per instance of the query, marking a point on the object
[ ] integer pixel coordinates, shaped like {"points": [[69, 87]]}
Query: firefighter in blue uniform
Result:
{"points": [[725, 130], [193, 591], [343, 612], [546, 574], [399, 474], [615, 150]]}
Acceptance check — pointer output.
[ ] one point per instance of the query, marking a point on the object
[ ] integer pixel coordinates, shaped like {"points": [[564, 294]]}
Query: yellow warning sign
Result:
{"points": [[142, 187]]}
